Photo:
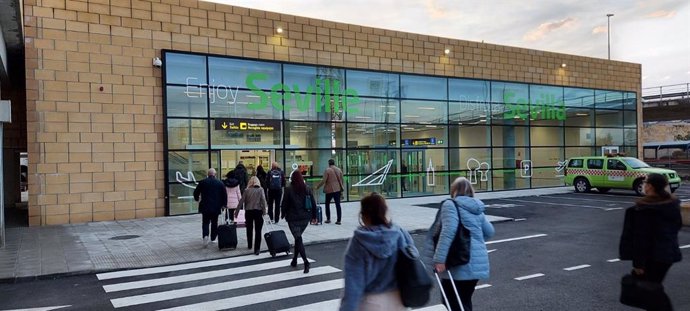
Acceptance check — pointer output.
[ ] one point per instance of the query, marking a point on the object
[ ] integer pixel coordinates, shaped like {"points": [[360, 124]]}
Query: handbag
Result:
{"points": [[413, 280], [636, 292], [459, 251]]}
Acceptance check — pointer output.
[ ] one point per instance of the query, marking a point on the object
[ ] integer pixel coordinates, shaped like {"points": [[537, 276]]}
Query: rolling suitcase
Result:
{"points": [[443, 293], [276, 241], [227, 235]]}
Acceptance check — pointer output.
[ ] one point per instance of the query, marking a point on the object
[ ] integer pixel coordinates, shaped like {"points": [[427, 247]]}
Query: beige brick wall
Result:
{"points": [[94, 102]]}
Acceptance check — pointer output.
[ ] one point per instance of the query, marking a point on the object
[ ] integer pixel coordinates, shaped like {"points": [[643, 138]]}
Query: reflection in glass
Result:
{"points": [[376, 110], [185, 162], [579, 117], [377, 84], [630, 101], [235, 73], [364, 135], [185, 69], [187, 134], [610, 118], [608, 99], [609, 137], [417, 111], [630, 119], [469, 91], [547, 157], [314, 135], [235, 104], [576, 97], [186, 101], [469, 113], [630, 137], [509, 93], [508, 179], [182, 200], [571, 152], [423, 87]]}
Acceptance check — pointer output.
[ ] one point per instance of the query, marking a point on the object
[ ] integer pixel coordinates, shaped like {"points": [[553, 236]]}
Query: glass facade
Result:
{"points": [[401, 135]]}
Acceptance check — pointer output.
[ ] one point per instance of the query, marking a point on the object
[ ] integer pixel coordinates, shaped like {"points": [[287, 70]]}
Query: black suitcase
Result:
{"points": [[276, 241], [227, 236]]}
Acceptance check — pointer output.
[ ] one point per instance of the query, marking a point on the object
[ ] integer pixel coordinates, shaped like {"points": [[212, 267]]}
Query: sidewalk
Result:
{"points": [[51, 251]]}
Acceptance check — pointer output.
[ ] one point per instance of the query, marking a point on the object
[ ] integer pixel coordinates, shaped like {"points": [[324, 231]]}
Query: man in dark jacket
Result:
{"points": [[275, 181], [213, 198]]}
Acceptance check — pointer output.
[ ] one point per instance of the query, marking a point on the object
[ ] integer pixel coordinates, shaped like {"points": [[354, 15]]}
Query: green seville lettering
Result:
{"points": [[351, 101], [263, 97], [277, 98]]}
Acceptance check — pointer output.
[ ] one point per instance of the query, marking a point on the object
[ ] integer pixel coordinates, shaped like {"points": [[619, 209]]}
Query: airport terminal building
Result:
{"points": [[128, 106]]}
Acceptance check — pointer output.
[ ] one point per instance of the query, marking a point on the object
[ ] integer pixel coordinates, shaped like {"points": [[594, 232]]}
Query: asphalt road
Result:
{"points": [[559, 254]]}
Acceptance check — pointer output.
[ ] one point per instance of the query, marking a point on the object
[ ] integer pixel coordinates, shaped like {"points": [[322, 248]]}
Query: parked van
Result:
{"points": [[607, 172]]}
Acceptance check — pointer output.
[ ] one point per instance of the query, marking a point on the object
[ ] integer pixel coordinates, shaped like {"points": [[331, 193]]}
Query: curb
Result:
{"points": [[52, 276]]}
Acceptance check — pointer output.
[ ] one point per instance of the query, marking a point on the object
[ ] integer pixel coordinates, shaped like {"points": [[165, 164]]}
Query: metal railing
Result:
{"points": [[666, 92]]}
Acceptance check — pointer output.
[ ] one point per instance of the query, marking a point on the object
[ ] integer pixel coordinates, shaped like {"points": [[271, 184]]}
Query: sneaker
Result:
{"points": [[337, 222], [327, 221], [205, 241]]}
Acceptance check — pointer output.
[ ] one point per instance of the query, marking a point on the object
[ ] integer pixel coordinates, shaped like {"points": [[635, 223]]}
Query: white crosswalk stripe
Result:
{"points": [[244, 281]]}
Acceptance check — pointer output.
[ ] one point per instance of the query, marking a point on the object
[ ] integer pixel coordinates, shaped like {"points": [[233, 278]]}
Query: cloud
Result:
{"points": [[435, 10], [599, 29], [545, 28], [661, 14]]}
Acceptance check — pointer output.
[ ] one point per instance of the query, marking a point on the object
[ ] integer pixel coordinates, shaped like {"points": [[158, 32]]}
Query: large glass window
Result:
{"points": [[500, 135], [378, 84], [423, 87], [418, 111]]}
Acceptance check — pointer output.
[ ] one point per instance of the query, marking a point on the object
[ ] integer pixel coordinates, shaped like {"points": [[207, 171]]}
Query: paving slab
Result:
{"points": [[52, 251]]}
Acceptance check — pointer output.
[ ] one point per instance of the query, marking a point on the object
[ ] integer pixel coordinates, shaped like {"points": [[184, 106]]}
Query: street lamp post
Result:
{"points": [[608, 32]]}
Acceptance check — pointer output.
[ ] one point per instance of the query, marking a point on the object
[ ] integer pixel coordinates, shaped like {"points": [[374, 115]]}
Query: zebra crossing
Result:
{"points": [[249, 282]]}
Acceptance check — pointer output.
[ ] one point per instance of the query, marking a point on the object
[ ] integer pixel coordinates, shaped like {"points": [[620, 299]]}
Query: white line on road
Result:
{"points": [[576, 267], [438, 307], [41, 309], [531, 276], [195, 276], [613, 209], [491, 251], [518, 238], [685, 246], [261, 297], [557, 204], [482, 286], [193, 265], [520, 219], [322, 305], [614, 260], [218, 287]]}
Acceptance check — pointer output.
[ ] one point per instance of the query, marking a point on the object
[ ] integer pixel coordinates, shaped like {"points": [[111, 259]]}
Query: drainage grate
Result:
{"points": [[125, 237]]}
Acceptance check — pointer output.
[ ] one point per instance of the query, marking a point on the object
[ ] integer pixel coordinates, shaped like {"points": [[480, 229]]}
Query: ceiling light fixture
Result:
{"points": [[279, 30], [563, 65], [447, 51]]}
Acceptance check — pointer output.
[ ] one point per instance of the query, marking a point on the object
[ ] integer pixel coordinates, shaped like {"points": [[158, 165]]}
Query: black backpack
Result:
{"points": [[275, 180]]}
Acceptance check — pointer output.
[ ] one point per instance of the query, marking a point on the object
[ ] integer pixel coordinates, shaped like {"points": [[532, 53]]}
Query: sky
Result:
{"points": [[655, 34]]}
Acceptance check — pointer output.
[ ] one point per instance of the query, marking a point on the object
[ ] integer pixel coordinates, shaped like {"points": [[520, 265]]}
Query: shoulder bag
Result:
{"points": [[459, 251], [413, 280]]}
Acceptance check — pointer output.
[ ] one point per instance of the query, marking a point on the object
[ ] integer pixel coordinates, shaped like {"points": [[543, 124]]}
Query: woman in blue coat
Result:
{"points": [[470, 212]]}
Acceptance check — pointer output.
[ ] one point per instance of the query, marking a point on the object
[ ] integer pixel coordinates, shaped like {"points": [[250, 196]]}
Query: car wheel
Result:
{"points": [[603, 190], [582, 185], [638, 186]]}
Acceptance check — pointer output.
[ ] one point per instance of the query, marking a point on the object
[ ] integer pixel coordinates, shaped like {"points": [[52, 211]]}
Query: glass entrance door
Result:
{"points": [[414, 172], [250, 158]]}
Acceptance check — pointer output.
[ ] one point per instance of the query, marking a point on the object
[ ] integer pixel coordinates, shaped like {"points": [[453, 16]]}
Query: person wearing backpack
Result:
{"points": [[370, 260], [469, 211], [275, 180], [298, 206]]}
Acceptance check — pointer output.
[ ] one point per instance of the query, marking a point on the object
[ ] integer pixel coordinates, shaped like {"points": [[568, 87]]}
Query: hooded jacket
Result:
{"points": [[370, 262], [233, 190], [650, 232], [473, 218]]}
